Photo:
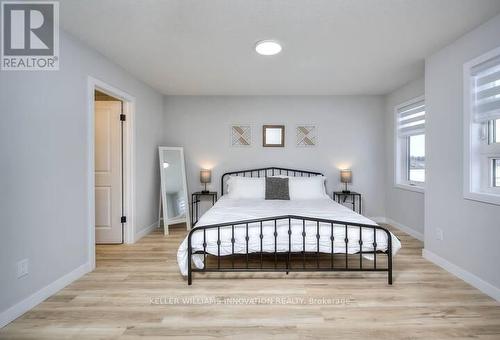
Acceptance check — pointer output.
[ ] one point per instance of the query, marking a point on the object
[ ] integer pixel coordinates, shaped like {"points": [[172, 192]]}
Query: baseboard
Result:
{"points": [[463, 274], [410, 231], [146, 231], [31, 301]]}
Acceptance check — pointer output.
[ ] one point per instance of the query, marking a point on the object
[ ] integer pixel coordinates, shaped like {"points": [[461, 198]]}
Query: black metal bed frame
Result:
{"points": [[306, 256]]}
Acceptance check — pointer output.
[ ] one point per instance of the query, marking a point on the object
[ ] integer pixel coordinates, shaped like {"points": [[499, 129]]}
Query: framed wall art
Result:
{"points": [[306, 136], [241, 135], [273, 136]]}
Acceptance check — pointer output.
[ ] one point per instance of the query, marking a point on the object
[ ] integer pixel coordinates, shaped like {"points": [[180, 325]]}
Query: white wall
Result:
{"points": [[471, 229], [351, 134], [402, 206], [43, 166]]}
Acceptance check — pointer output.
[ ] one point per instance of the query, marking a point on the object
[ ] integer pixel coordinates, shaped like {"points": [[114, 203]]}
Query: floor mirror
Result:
{"points": [[174, 204]]}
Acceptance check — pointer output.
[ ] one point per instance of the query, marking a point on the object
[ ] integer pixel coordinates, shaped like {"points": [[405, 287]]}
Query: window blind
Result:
{"points": [[486, 90], [411, 119]]}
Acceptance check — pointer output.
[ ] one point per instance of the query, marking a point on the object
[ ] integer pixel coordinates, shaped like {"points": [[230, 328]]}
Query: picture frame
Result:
{"points": [[240, 135], [306, 136], [273, 136]]}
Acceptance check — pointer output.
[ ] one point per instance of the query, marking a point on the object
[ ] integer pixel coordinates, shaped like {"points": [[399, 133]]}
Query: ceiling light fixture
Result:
{"points": [[268, 47]]}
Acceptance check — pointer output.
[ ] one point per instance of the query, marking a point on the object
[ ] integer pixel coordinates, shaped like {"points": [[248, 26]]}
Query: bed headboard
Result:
{"points": [[265, 172]]}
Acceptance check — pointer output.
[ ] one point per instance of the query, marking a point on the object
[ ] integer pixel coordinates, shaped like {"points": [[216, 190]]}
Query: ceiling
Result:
{"points": [[344, 47]]}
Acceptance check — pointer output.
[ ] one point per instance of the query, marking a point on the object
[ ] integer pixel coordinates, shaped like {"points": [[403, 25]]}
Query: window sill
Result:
{"points": [[483, 197], [409, 187]]}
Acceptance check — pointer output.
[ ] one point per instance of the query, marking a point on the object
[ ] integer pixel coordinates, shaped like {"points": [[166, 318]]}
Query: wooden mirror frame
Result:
{"points": [[281, 127]]}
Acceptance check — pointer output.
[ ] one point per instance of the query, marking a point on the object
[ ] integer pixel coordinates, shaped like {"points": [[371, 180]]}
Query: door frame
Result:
{"points": [[128, 161]]}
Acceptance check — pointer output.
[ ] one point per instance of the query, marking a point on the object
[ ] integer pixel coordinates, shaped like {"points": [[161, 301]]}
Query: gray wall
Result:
{"points": [[471, 229], [43, 153], [402, 206], [351, 134]]}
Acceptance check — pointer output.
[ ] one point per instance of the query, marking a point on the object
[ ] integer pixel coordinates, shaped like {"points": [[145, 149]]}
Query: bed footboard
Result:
{"points": [[291, 260]]}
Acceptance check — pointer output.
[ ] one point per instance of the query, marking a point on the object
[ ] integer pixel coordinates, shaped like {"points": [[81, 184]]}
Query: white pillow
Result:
{"points": [[306, 188], [246, 187]]}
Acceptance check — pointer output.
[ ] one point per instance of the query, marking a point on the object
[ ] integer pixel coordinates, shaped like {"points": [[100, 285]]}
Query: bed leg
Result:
{"points": [[389, 265], [190, 275], [190, 278], [389, 259]]}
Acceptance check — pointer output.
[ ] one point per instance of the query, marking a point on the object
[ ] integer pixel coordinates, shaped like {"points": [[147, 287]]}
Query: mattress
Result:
{"points": [[231, 210]]}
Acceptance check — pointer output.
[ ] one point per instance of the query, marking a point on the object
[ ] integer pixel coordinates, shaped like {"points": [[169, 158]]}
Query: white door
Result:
{"points": [[108, 172]]}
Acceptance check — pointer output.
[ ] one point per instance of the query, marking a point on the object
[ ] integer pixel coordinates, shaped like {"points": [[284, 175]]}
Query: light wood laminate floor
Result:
{"points": [[137, 291]]}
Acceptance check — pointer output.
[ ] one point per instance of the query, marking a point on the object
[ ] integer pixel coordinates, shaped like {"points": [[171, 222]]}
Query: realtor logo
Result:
{"points": [[30, 35]]}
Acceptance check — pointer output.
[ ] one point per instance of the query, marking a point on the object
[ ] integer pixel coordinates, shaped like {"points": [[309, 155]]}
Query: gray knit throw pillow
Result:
{"points": [[277, 188]]}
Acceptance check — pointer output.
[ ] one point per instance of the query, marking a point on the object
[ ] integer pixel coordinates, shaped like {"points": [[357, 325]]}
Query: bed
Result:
{"points": [[249, 234]]}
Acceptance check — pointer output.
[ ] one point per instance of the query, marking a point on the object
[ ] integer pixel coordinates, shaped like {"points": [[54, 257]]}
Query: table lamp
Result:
{"points": [[205, 177], [346, 177]]}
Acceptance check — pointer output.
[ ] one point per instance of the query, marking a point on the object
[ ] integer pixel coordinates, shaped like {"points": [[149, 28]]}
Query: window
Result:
{"points": [[482, 128], [494, 131], [496, 172], [416, 158], [494, 137], [410, 145]]}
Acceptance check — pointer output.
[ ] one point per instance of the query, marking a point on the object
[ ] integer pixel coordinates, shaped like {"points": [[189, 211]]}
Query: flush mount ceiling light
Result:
{"points": [[268, 47]]}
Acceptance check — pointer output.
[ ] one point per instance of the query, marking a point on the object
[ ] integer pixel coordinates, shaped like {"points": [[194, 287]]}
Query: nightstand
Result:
{"points": [[341, 197], [195, 199]]}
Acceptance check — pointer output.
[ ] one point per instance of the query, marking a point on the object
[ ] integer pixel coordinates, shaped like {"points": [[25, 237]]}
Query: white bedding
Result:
{"points": [[231, 210]]}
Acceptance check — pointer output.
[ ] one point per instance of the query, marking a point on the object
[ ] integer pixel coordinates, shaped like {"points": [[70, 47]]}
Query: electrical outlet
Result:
{"points": [[439, 234], [22, 268]]}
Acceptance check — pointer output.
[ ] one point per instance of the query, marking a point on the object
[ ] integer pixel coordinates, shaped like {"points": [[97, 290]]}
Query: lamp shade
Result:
{"points": [[205, 176], [346, 176]]}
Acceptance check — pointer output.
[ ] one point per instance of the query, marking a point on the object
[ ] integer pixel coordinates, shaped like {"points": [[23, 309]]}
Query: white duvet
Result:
{"points": [[231, 210]]}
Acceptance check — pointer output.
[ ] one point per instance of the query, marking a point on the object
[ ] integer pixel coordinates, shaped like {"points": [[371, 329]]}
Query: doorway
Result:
{"points": [[108, 222], [108, 169]]}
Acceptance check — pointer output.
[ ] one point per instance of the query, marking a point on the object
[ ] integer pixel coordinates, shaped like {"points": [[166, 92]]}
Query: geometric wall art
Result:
{"points": [[241, 135], [307, 136]]}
